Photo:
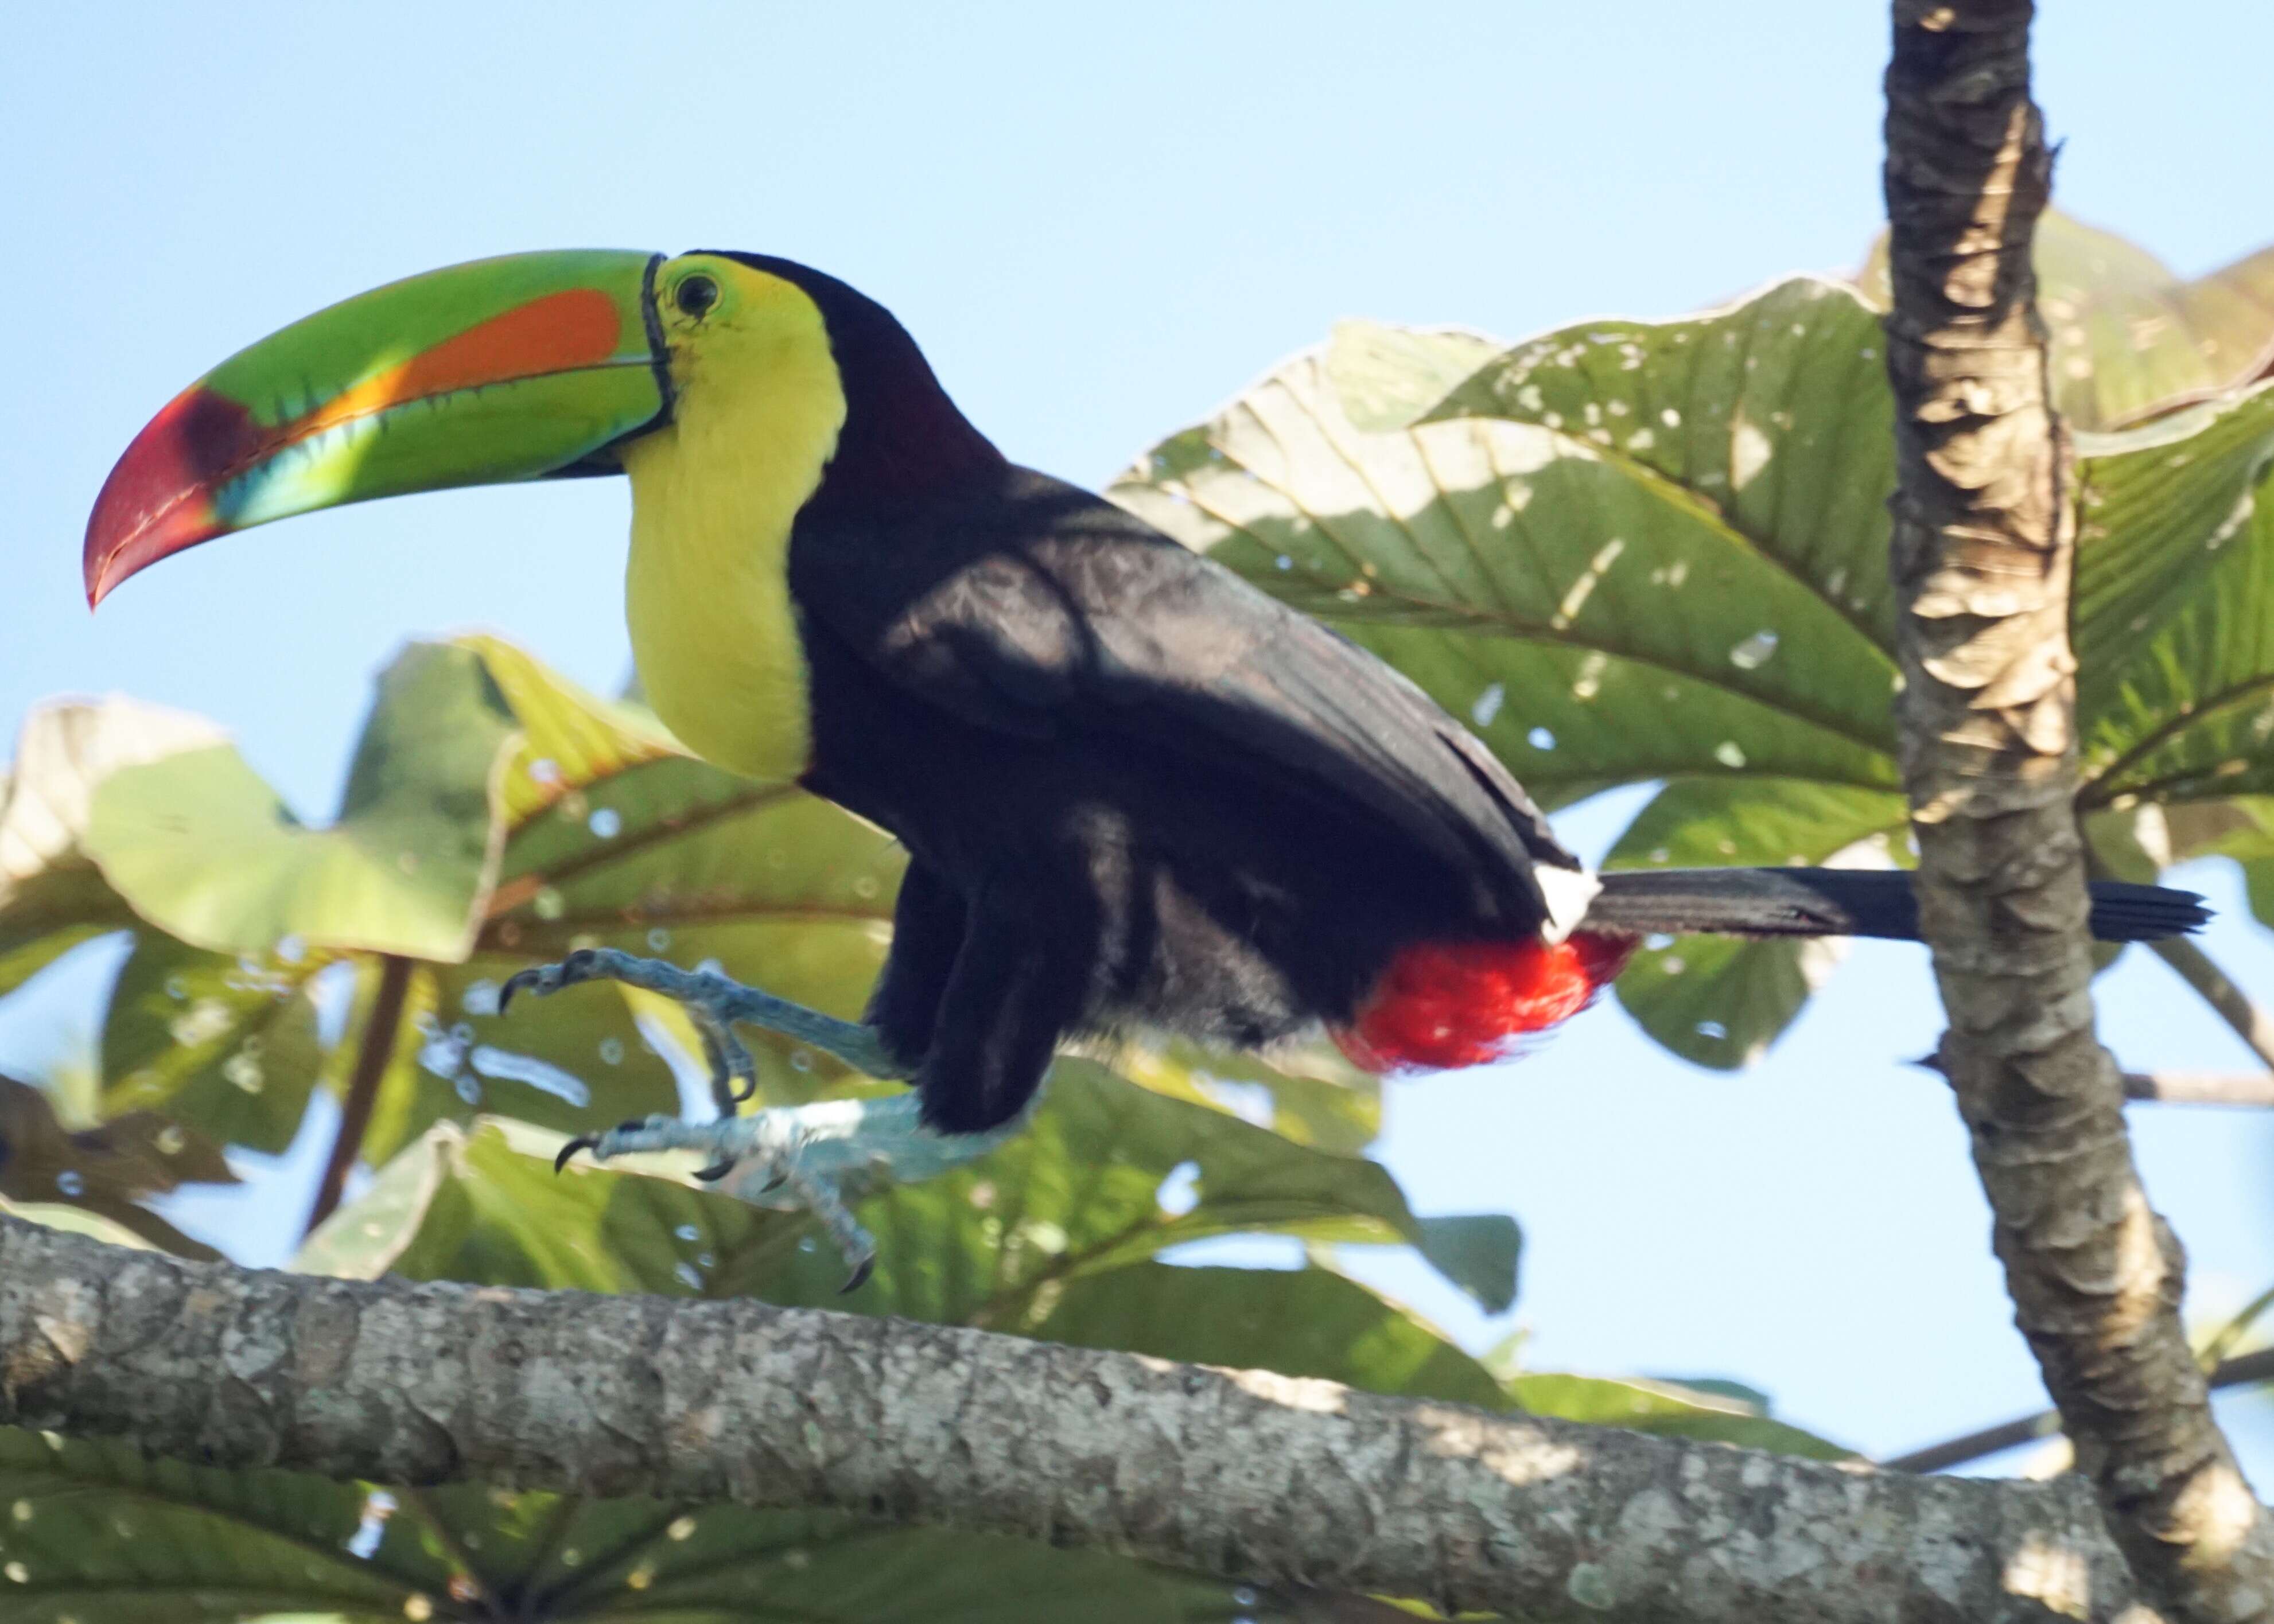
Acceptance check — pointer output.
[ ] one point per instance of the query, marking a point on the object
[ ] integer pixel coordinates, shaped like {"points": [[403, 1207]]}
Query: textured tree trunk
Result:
{"points": [[1297, 1484], [1983, 556]]}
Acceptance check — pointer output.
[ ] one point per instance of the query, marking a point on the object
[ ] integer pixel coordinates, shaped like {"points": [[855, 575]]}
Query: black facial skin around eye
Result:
{"points": [[695, 295]]}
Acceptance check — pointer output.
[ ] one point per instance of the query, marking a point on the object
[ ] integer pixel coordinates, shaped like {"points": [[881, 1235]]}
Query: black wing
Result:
{"points": [[1036, 607]]}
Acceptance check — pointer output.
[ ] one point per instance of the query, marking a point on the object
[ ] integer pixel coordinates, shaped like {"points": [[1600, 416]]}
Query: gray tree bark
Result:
{"points": [[1983, 554], [1289, 1483]]}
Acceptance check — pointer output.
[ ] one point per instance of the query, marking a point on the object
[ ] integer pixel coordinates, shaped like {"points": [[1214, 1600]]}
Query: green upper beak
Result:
{"points": [[504, 369]]}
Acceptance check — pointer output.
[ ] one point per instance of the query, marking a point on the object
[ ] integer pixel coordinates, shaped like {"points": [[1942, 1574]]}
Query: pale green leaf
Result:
{"points": [[404, 868], [52, 896]]}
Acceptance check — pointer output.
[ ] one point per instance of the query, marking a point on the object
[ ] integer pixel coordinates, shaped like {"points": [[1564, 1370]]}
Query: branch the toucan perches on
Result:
{"points": [[1133, 789]]}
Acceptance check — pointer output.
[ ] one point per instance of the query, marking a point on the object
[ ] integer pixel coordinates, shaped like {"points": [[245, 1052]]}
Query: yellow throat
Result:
{"points": [[758, 404]]}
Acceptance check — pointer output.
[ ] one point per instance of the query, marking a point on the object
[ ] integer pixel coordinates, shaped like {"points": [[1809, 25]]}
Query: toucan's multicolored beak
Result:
{"points": [[504, 369]]}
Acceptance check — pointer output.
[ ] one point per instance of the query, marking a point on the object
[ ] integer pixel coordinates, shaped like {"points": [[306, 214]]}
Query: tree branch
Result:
{"points": [[1296, 1484], [1983, 551], [2251, 1024]]}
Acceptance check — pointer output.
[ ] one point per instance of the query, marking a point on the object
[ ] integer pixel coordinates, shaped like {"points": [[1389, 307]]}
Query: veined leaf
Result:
{"points": [[1619, 552], [2175, 608], [101, 1535]]}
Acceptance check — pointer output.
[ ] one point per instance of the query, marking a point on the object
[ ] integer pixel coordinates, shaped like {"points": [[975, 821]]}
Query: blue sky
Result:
{"points": [[1101, 221]]}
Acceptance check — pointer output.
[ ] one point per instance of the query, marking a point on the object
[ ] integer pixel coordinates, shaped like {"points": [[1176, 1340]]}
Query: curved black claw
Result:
{"points": [[582, 1141], [860, 1277], [716, 1171], [521, 980], [544, 979]]}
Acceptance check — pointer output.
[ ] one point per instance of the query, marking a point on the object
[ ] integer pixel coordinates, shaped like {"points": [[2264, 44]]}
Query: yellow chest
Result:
{"points": [[707, 586]]}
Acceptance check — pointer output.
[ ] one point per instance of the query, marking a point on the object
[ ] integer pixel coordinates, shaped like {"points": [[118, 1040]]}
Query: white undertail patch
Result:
{"points": [[1566, 892]]}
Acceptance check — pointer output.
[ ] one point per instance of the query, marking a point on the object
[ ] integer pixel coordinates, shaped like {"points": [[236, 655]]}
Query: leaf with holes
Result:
{"points": [[1628, 551], [1623, 550]]}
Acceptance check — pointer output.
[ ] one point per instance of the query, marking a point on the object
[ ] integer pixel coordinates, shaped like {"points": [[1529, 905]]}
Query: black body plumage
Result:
{"points": [[1132, 788]]}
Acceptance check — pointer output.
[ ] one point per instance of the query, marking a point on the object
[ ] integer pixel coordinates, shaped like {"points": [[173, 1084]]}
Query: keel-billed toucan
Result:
{"points": [[1134, 790]]}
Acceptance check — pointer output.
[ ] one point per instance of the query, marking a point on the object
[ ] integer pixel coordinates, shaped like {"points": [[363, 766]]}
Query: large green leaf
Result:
{"points": [[1630, 551], [1621, 551], [52, 896], [96, 1534], [404, 869], [1720, 1001], [1309, 1092], [2130, 339], [1299, 1322], [624, 1559], [225, 1046], [616, 838], [1109, 1175], [2175, 607]]}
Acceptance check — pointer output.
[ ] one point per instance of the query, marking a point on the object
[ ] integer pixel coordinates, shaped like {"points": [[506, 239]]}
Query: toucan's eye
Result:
{"points": [[695, 295]]}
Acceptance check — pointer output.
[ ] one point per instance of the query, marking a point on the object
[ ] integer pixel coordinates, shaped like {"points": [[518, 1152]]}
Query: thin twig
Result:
{"points": [[377, 1047], [2238, 1372], [2238, 1088], [2255, 1088], [2251, 1024]]}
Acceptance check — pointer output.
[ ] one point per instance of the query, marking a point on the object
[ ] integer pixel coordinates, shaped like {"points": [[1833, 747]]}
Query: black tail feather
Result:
{"points": [[1842, 902]]}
